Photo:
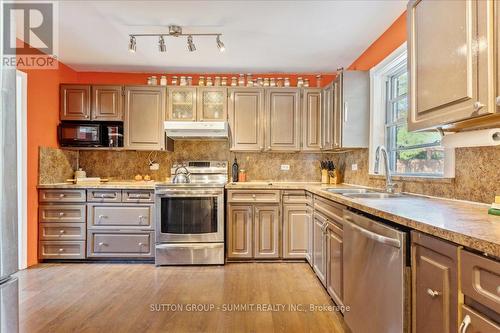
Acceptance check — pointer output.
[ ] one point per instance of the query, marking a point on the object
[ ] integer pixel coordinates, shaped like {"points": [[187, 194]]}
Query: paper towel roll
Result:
{"points": [[487, 137]]}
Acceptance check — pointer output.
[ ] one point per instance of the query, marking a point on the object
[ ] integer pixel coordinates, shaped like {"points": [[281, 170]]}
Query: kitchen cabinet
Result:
{"points": [[239, 231], [246, 119], [181, 103], [296, 224], [120, 244], [266, 231], [282, 119], [212, 104], [327, 117], [311, 119], [334, 274], [144, 116], [75, 102], [320, 246], [435, 284], [107, 103], [480, 285], [463, 79], [351, 109]]}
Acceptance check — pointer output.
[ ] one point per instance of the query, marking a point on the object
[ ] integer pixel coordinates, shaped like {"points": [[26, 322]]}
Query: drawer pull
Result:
{"points": [[464, 324], [433, 293], [107, 196], [61, 250], [100, 244], [61, 214], [62, 195], [478, 106], [138, 196], [253, 196], [100, 217], [141, 244], [61, 231], [141, 217]]}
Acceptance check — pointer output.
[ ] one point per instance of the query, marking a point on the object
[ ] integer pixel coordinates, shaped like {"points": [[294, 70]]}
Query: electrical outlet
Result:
{"points": [[154, 166], [354, 167], [285, 167]]}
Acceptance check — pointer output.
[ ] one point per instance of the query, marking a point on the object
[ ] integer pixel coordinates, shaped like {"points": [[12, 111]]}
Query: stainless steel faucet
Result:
{"points": [[389, 185]]}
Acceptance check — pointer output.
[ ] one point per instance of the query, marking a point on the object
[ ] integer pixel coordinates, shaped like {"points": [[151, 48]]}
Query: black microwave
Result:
{"points": [[79, 134]]}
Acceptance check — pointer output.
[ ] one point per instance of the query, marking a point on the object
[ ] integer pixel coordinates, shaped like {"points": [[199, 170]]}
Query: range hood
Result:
{"points": [[205, 130]]}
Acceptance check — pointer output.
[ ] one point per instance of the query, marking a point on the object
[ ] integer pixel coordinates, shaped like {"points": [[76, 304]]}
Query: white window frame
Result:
{"points": [[378, 112]]}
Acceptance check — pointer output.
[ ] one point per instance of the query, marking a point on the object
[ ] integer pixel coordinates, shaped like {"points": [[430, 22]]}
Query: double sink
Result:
{"points": [[363, 193]]}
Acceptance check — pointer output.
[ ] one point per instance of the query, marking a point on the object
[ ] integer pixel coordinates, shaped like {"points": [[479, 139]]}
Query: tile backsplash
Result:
{"points": [[476, 168]]}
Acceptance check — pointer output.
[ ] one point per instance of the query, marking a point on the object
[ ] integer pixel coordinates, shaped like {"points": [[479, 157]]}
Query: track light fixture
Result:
{"points": [[220, 44], [191, 46], [132, 45], [175, 31], [161, 45]]}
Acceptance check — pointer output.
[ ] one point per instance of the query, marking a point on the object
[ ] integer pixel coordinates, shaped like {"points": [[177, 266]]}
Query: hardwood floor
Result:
{"points": [[120, 297]]}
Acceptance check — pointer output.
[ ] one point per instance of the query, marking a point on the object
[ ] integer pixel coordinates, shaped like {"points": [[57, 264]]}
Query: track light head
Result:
{"points": [[132, 45], [220, 44], [191, 46], [161, 45]]}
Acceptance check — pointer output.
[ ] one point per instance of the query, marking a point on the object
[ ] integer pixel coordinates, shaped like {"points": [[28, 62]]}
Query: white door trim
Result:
{"points": [[22, 165]]}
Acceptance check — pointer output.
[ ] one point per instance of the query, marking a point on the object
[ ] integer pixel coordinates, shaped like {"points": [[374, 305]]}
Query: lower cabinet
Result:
{"points": [[297, 221], [253, 231], [334, 274], [320, 246], [435, 285]]}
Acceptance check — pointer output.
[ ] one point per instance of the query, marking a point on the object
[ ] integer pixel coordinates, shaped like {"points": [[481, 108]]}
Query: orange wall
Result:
{"points": [[42, 119], [390, 40]]}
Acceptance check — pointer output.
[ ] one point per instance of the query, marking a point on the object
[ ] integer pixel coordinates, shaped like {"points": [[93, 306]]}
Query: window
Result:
{"points": [[410, 153]]}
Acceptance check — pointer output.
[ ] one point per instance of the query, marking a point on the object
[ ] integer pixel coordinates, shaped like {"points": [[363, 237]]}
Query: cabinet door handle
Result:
{"points": [[432, 293], [464, 324], [61, 250], [61, 231], [62, 195], [61, 214], [478, 106], [100, 244], [254, 196]]}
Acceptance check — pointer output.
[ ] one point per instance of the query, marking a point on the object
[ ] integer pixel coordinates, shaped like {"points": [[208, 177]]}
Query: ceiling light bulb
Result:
{"points": [[191, 46], [161, 45], [220, 44], [132, 45]]}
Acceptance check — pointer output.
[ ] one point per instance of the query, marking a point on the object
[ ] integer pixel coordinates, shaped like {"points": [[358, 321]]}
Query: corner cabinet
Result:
{"points": [[144, 116], [444, 57], [246, 119], [311, 119], [283, 119]]}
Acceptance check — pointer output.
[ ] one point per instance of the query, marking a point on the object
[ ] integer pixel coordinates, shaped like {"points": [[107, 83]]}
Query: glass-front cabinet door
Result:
{"points": [[182, 103], [212, 104]]}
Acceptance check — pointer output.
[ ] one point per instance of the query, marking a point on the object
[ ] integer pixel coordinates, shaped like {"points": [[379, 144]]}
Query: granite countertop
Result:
{"points": [[134, 185], [461, 222]]}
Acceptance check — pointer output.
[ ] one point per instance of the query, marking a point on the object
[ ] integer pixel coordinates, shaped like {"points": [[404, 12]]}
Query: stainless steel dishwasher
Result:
{"points": [[376, 276]]}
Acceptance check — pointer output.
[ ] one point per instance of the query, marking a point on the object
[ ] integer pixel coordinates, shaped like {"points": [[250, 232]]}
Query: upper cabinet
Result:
{"points": [[311, 119], [107, 103], [452, 64], [144, 116], [246, 119], [75, 102], [283, 119], [327, 116], [86, 102], [197, 104]]}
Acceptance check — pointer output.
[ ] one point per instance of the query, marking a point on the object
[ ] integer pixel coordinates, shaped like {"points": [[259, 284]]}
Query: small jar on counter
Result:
{"points": [[260, 83], [300, 82], [163, 80], [224, 81], [209, 81], [287, 82], [241, 80], [306, 83], [234, 81], [201, 81], [242, 176], [272, 82], [249, 80], [183, 81], [217, 81], [279, 82], [174, 80], [190, 80], [154, 80], [266, 82]]}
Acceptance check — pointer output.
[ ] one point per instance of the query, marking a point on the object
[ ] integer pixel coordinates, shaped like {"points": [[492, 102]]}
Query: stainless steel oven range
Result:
{"points": [[190, 214]]}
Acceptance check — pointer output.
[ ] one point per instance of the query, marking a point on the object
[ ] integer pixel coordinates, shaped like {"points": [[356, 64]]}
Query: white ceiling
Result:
{"points": [[260, 36]]}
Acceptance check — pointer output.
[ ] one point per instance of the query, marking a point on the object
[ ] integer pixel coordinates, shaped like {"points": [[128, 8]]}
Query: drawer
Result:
{"points": [[297, 197], [62, 250], [135, 216], [261, 196], [99, 195], [120, 244], [61, 213], [62, 231], [331, 209], [61, 195], [138, 196], [477, 323], [481, 279]]}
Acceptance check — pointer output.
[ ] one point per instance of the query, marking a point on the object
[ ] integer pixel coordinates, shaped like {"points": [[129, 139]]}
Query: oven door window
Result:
{"points": [[194, 215]]}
